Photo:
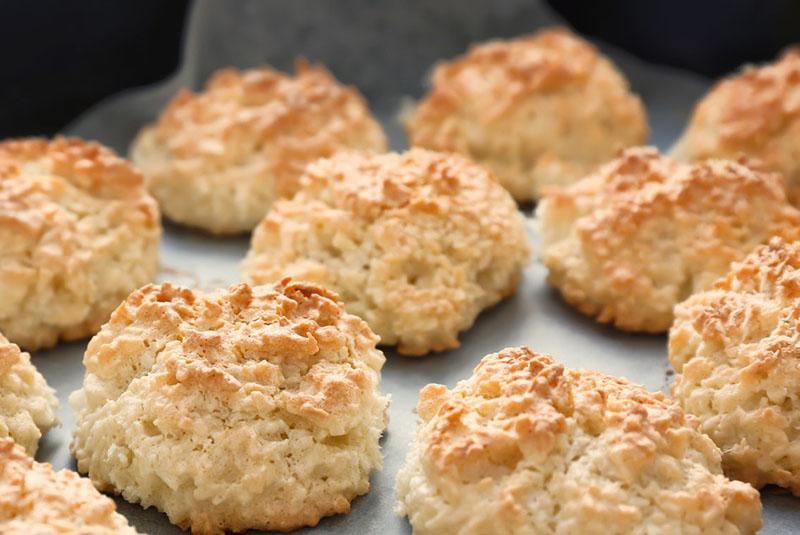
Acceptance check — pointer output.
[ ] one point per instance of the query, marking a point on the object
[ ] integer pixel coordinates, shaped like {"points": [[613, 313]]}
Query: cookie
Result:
{"points": [[526, 446], [644, 232], [34, 499], [247, 408], [218, 159], [755, 112], [78, 233], [735, 348], [27, 404], [539, 110], [416, 244]]}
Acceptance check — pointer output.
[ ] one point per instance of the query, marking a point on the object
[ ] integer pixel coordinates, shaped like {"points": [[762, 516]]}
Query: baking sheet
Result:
{"points": [[386, 49]]}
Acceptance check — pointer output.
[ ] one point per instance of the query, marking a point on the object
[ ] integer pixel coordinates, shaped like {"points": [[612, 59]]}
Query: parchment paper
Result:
{"points": [[386, 49]]}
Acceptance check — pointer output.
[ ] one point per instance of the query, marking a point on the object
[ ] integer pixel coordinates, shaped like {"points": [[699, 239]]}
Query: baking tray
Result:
{"points": [[386, 49]]}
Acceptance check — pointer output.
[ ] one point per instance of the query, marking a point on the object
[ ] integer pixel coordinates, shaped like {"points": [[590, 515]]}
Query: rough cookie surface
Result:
{"points": [[417, 244], [527, 447], [644, 232], [217, 160], [538, 110], [757, 113], [27, 405], [248, 408], [736, 348], [78, 233], [36, 500]]}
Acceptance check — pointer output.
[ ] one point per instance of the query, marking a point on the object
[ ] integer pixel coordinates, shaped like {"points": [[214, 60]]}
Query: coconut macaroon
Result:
{"points": [[525, 446], [755, 112], [735, 348], [217, 160], [538, 110], [248, 408], [78, 233], [417, 244], [34, 499], [644, 232], [27, 404]]}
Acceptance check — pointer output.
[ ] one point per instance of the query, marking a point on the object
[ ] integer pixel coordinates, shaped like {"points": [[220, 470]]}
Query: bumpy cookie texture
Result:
{"points": [[736, 348], [527, 447], [757, 113], [538, 110], [252, 407], [27, 405], [417, 244], [78, 233], [644, 232], [217, 160], [34, 499]]}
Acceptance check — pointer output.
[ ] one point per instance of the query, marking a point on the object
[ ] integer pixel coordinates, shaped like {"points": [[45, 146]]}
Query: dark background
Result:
{"points": [[60, 57]]}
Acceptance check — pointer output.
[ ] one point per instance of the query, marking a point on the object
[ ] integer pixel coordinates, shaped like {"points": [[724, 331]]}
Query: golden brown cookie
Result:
{"points": [[539, 110], [417, 244], [218, 159], [247, 408], [755, 112], [78, 233], [644, 232], [35, 500], [27, 404], [736, 350], [526, 446]]}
